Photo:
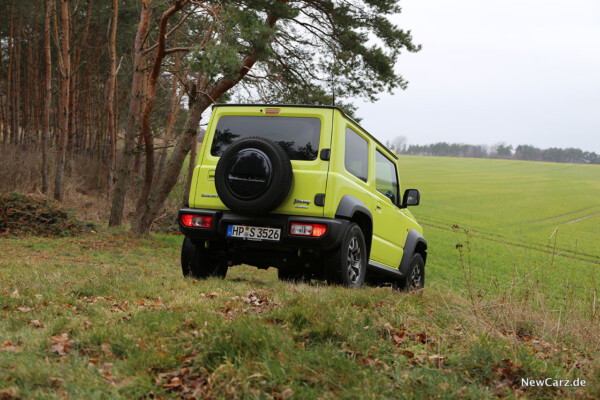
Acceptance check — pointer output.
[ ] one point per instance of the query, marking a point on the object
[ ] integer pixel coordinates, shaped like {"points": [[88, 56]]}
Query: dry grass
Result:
{"points": [[85, 185], [109, 315], [525, 307]]}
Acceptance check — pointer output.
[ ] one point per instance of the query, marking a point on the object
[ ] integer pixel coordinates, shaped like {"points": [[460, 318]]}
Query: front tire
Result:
{"points": [[200, 262], [347, 264], [415, 277]]}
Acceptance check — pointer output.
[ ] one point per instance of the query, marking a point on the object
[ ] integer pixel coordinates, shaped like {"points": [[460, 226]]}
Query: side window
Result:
{"points": [[357, 155], [386, 177]]}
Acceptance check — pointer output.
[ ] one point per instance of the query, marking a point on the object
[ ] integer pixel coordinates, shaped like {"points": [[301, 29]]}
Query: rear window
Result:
{"points": [[357, 155], [299, 136]]}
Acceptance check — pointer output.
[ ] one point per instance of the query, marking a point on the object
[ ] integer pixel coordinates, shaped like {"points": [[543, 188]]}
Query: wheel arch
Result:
{"points": [[354, 210], [415, 243]]}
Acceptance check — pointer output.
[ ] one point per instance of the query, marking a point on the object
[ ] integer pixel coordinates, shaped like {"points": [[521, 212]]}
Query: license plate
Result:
{"points": [[254, 233]]}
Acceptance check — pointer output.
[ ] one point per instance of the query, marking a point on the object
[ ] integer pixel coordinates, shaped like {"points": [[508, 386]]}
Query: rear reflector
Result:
{"points": [[314, 230], [271, 111], [197, 221]]}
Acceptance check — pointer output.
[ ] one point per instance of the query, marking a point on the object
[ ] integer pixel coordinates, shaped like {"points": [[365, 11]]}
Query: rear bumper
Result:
{"points": [[222, 219]]}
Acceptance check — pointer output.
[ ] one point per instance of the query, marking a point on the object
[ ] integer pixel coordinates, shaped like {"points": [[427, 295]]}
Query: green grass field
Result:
{"points": [[540, 218], [107, 315]]}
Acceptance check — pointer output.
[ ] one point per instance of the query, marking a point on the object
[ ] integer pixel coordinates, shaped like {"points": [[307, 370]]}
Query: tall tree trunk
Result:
{"points": [[65, 75], [146, 132], [48, 97], [73, 134], [16, 95], [9, 78], [112, 122], [175, 106], [118, 201], [168, 180], [197, 106], [31, 83], [2, 103]]}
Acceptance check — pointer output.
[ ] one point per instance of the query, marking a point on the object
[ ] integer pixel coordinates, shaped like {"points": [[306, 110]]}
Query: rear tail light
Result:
{"points": [[314, 230], [197, 221]]}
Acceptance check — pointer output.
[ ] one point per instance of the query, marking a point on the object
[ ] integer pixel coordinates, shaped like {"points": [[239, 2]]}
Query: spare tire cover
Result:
{"points": [[253, 176]]}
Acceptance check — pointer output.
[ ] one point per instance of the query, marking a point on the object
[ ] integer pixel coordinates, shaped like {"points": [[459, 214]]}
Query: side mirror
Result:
{"points": [[412, 197]]}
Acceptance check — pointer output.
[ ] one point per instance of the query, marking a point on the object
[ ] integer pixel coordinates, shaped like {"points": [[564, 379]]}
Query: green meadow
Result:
{"points": [[511, 293], [534, 218]]}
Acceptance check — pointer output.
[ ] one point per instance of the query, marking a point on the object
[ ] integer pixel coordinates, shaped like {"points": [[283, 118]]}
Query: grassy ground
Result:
{"points": [[508, 296], [109, 316]]}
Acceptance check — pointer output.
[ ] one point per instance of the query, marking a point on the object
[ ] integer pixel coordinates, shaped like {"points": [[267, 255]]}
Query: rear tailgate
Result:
{"points": [[295, 128]]}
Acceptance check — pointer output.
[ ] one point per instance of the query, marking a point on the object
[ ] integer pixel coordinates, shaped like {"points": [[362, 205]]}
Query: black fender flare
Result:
{"points": [[415, 242], [353, 209], [350, 205]]}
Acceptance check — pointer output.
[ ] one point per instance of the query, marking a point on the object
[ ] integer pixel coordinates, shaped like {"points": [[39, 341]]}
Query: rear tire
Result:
{"points": [[200, 262], [415, 277], [347, 265]]}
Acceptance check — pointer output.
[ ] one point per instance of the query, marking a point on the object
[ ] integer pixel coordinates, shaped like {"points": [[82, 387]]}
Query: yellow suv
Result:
{"points": [[303, 189]]}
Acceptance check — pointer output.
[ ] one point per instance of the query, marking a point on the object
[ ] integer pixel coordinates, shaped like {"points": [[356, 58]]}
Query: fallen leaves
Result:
{"points": [[400, 335], [56, 382], [11, 347], [407, 353], [253, 298], [257, 301], [122, 306], [152, 304], [106, 371], [287, 393], [402, 338], [371, 361], [107, 350], [189, 384], [36, 323], [507, 375], [9, 393], [94, 299], [61, 344]]}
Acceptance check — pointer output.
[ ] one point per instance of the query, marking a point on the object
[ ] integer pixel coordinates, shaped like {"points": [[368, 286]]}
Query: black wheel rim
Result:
{"points": [[354, 260], [415, 278]]}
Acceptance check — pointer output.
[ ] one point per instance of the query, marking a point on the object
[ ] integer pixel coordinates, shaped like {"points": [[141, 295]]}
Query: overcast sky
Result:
{"points": [[513, 71]]}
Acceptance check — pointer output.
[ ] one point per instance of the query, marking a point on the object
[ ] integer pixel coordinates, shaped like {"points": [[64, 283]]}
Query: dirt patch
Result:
{"points": [[33, 215]]}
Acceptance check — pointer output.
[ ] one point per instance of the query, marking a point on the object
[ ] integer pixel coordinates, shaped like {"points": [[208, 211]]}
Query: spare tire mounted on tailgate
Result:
{"points": [[253, 176]]}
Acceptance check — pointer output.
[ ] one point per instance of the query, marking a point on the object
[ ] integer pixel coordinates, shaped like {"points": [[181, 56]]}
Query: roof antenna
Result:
{"points": [[333, 91], [333, 80]]}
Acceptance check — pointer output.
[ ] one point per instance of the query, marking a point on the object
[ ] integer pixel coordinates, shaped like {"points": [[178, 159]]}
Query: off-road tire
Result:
{"points": [[280, 177], [199, 262], [347, 264], [415, 276]]}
